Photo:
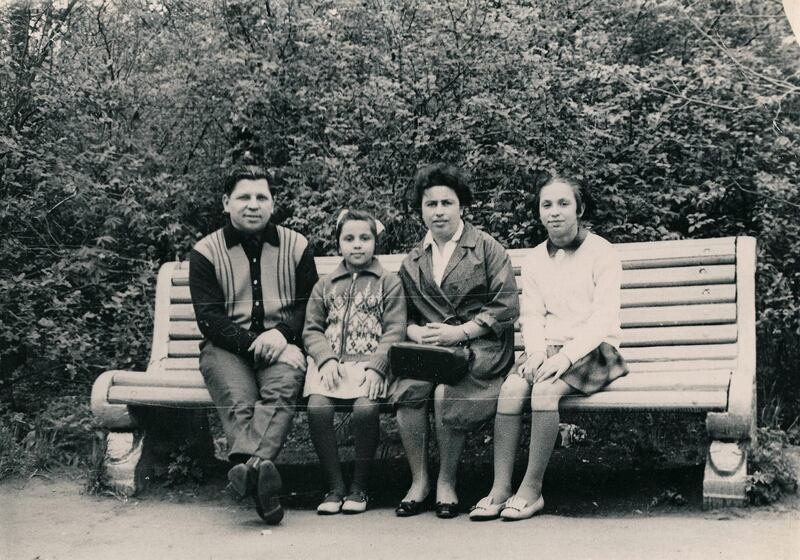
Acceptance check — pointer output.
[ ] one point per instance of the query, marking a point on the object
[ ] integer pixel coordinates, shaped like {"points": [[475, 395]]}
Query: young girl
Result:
{"points": [[354, 315], [571, 328]]}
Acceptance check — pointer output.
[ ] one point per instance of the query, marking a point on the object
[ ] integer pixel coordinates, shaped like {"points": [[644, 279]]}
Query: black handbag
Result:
{"points": [[436, 364]]}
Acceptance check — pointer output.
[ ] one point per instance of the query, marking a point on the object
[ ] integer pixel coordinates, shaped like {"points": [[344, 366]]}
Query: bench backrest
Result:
{"points": [[680, 310]]}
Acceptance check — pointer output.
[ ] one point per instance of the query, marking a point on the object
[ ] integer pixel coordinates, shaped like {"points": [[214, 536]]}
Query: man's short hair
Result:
{"points": [[245, 172]]}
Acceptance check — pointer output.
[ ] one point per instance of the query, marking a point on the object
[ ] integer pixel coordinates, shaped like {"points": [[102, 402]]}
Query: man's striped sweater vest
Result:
{"points": [[278, 265]]}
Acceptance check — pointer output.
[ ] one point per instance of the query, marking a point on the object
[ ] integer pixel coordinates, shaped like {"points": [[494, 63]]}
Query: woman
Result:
{"points": [[571, 328], [460, 289]]}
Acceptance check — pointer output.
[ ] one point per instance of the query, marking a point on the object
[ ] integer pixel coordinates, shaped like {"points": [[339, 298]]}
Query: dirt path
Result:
{"points": [[51, 519]]}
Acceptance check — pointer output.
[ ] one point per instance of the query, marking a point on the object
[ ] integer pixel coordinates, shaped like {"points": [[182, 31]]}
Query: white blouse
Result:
{"points": [[439, 259], [571, 299]]}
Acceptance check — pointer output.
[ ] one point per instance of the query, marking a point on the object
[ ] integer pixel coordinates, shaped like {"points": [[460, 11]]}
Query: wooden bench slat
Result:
{"points": [[671, 353], [715, 380], [648, 400], [177, 364], [193, 364], [657, 246], [636, 278], [644, 400], [181, 312], [712, 380], [630, 297], [697, 334], [703, 314], [190, 349], [678, 276], [690, 295], [183, 349], [158, 395], [178, 378], [658, 368], [674, 315], [646, 336]]}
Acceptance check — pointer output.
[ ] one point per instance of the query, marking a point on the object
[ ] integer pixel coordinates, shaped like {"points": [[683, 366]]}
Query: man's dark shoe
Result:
{"points": [[268, 504], [243, 479]]}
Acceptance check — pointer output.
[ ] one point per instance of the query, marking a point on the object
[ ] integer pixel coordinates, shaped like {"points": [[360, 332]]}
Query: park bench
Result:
{"points": [[688, 317]]}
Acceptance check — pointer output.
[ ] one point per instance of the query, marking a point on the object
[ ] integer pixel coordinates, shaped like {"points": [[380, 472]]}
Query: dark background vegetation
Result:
{"points": [[118, 119]]}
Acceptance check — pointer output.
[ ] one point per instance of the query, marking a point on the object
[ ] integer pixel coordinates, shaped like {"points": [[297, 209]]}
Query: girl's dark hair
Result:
{"points": [[242, 172], [540, 179], [441, 174], [357, 216]]}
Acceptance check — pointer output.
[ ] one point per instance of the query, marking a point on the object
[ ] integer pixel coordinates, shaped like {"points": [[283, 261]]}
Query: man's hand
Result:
{"points": [[330, 374], [528, 369], [441, 334], [268, 346], [292, 356], [554, 367], [375, 384]]}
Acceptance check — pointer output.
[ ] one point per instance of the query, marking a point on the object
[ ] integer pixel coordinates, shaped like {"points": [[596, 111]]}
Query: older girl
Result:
{"points": [[571, 329]]}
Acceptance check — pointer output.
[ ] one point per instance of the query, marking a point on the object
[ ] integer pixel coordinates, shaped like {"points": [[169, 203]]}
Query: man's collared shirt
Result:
{"points": [[439, 259]]}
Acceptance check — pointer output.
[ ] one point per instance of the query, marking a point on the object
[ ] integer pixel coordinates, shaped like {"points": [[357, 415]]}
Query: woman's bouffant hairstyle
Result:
{"points": [[441, 174], [243, 172], [539, 179]]}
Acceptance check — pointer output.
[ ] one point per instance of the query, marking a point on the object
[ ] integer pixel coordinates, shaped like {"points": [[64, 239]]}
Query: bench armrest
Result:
{"points": [[114, 417], [739, 421]]}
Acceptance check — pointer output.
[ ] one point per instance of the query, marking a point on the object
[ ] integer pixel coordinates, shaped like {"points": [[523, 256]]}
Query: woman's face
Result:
{"points": [[558, 210], [441, 211]]}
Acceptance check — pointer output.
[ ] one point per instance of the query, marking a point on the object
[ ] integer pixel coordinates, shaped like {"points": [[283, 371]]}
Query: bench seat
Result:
{"points": [[688, 318]]}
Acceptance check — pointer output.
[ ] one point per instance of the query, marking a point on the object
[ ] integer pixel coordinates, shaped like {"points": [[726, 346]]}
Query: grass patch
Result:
{"points": [[62, 434]]}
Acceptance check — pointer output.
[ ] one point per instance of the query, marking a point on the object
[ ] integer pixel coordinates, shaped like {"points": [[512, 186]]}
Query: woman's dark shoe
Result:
{"points": [[409, 508], [446, 510]]}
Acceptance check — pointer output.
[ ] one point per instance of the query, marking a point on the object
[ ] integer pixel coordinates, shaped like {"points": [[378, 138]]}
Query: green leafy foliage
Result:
{"points": [[63, 434], [183, 468], [771, 473], [118, 120]]}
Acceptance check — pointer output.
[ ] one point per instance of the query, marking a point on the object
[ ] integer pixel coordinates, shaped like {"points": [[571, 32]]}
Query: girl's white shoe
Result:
{"points": [[355, 502], [331, 504], [516, 508]]}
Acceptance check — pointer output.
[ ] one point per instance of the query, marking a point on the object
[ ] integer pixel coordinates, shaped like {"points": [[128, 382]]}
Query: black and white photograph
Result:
{"points": [[399, 279]]}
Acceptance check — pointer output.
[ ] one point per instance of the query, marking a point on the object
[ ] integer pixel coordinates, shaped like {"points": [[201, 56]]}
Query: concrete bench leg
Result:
{"points": [[136, 457], [725, 477], [123, 452]]}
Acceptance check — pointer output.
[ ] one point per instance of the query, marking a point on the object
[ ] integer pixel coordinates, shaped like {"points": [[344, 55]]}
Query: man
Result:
{"points": [[250, 282]]}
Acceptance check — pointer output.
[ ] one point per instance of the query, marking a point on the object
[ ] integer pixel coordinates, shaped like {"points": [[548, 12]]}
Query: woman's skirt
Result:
{"points": [[592, 372]]}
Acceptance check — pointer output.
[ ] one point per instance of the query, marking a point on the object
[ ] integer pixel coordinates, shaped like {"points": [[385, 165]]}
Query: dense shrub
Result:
{"points": [[771, 472], [63, 434], [117, 121]]}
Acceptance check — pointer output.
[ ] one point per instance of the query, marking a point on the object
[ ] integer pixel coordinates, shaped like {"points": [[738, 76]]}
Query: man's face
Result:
{"points": [[250, 205]]}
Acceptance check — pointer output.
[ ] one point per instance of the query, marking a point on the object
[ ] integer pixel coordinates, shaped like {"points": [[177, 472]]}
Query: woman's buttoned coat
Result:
{"points": [[478, 285]]}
